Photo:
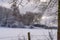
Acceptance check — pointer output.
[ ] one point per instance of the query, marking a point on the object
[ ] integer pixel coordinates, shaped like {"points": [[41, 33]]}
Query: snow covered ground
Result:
{"points": [[21, 34]]}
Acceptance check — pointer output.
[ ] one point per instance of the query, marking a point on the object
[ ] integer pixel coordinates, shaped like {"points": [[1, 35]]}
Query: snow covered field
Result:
{"points": [[21, 34]]}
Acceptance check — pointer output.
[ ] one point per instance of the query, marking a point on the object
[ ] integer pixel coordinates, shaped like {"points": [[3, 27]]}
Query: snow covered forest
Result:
{"points": [[20, 13], [18, 17]]}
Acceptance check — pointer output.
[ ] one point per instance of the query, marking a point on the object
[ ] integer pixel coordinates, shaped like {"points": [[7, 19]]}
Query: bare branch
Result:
{"points": [[50, 36], [20, 3]]}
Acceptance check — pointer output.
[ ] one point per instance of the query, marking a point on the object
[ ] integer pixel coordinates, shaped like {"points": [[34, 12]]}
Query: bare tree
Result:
{"points": [[30, 18], [15, 8], [50, 35], [27, 18]]}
